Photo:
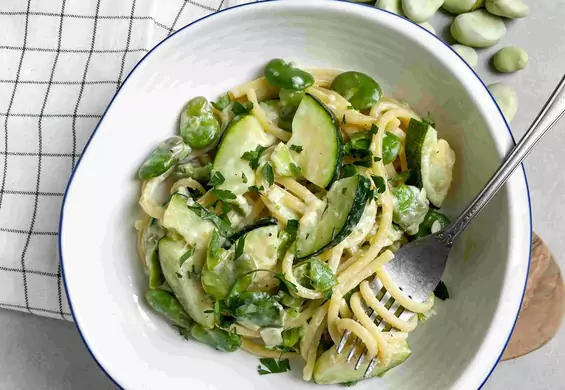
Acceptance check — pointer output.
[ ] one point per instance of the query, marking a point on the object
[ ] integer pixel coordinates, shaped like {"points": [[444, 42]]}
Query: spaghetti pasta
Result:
{"points": [[273, 250]]}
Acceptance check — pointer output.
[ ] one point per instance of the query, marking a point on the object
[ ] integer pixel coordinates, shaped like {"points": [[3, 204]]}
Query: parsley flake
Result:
{"points": [[380, 184], [343, 121], [255, 188], [239, 247], [244, 108], [222, 102], [273, 366], [253, 156], [377, 159], [268, 174], [178, 275], [441, 291], [296, 148], [289, 285], [187, 255], [243, 177], [224, 195], [217, 179]]}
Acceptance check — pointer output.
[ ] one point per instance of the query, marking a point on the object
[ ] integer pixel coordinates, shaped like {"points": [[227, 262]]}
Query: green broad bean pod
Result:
{"points": [[198, 125], [164, 157], [361, 90], [282, 74]]}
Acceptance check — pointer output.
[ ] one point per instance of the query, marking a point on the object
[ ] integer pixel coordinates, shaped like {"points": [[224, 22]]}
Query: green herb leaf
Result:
{"points": [[239, 247], [257, 308], [193, 275], [429, 120], [224, 195], [291, 337], [380, 184], [268, 174], [217, 179], [296, 148], [374, 129], [441, 291], [295, 170], [184, 332], [244, 108], [401, 176], [287, 237], [343, 121], [223, 227], [256, 189], [362, 163], [377, 159], [289, 285], [188, 254], [348, 171], [350, 108], [253, 156], [350, 384], [273, 366], [243, 177], [222, 102], [178, 275], [321, 276]]}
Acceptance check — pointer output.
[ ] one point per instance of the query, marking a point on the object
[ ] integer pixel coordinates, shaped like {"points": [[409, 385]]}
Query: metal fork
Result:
{"points": [[418, 267]]}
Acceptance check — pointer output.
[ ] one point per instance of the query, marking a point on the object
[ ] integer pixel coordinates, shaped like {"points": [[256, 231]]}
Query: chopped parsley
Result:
{"points": [[296, 148], [289, 285], [243, 177], [441, 291], [362, 163], [187, 255], [273, 366], [222, 102], [178, 275], [429, 120], [268, 174], [253, 156], [348, 171], [239, 247], [377, 159], [217, 179], [350, 108], [344, 191], [380, 184], [401, 176], [224, 195], [255, 188], [343, 121], [350, 384], [244, 108], [295, 170]]}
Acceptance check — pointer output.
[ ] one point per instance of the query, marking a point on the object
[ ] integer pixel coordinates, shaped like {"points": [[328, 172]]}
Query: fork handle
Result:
{"points": [[546, 119]]}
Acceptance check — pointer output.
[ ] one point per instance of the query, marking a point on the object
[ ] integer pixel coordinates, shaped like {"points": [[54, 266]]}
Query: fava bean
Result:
{"points": [[512, 9], [428, 27], [391, 147], [359, 89], [478, 29], [289, 102], [394, 6], [420, 10], [217, 338], [506, 99], [198, 126], [457, 7], [467, 53], [168, 305], [284, 75], [164, 157], [432, 221], [510, 59]]}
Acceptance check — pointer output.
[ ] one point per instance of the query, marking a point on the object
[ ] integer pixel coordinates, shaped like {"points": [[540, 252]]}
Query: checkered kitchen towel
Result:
{"points": [[61, 61]]}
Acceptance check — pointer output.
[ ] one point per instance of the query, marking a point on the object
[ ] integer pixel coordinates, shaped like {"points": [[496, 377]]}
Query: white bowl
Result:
{"points": [[486, 276]]}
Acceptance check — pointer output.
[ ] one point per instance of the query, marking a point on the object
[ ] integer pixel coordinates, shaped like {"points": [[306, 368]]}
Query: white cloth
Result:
{"points": [[61, 61]]}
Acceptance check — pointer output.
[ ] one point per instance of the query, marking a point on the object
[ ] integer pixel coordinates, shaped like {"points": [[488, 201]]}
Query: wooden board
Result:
{"points": [[543, 307]]}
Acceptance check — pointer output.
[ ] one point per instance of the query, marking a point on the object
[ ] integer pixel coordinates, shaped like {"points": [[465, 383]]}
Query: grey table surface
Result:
{"points": [[40, 353]]}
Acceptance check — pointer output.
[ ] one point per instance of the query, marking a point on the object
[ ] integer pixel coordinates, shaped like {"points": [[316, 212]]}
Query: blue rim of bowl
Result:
{"points": [[249, 5]]}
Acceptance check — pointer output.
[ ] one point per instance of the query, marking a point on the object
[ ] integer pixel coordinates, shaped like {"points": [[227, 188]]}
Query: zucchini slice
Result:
{"points": [[327, 225], [316, 129], [430, 159], [243, 135], [186, 288], [331, 368]]}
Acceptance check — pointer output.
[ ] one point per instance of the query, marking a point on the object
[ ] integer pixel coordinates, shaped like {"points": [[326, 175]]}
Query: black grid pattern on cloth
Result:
{"points": [[62, 61]]}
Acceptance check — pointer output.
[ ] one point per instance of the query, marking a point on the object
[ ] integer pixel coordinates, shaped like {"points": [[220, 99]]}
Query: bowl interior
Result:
{"points": [[457, 348]]}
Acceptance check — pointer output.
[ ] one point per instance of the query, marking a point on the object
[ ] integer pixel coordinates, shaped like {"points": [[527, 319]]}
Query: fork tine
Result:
{"points": [[343, 341]]}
